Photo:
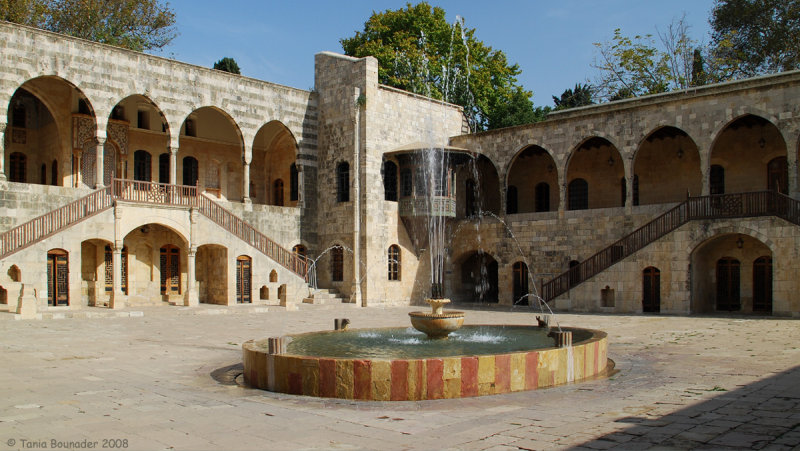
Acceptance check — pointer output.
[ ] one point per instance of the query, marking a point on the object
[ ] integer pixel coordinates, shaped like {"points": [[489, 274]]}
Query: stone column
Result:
{"points": [[3, 128], [76, 168], [99, 166], [173, 165], [356, 297], [248, 157], [563, 201], [191, 299], [117, 299]]}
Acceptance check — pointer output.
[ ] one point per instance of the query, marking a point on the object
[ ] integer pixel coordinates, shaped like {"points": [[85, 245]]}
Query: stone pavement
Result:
{"points": [[165, 378]]}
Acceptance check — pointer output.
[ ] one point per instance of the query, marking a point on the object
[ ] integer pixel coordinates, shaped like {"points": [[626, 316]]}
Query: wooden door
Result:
{"points": [[651, 290], [762, 284], [243, 280], [170, 270], [728, 277], [57, 278]]}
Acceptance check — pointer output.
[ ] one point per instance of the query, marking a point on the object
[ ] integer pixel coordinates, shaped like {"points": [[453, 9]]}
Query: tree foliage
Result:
{"points": [[630, 67], [581, 95], [419, 51], [133, 24], [227, 64], [752, 37]]}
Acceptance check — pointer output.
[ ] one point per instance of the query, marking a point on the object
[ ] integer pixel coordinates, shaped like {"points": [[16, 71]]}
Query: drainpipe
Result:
{"points": [[356, 296]]}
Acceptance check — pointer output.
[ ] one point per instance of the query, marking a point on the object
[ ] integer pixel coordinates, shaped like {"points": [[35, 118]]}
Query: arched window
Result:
{"points": [[343, 182], [337, 264], [511, 200], [43, 174], [277, 193], [635, 189], [716, 179], [141, 166], [163, 168], [578, 194], [406, 183], [389, 181], [520, 287], [394, 262], [294, 183], [542, 197], [18, 169], [190, 171], [651, 290]]}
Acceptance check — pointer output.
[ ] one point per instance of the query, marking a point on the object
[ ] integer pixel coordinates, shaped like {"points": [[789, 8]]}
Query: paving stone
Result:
{"points": [[149, 379]]}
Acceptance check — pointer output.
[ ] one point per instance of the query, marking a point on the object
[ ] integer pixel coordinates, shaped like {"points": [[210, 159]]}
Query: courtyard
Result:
{"points": [[165, 378]]}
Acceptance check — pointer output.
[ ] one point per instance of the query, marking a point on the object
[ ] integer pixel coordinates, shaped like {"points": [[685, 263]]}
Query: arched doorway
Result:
{"points": [[651, 290], [243, 280], [532, 169], [597, 164], [666, 167], [752, 152], [57, 277]]}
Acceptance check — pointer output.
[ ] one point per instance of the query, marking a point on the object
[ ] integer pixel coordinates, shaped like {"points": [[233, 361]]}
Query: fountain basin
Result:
{"points": [[380, 376]]}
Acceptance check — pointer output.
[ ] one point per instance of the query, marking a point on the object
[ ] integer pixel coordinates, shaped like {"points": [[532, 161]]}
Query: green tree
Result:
{"points": [[753, 37], [630, 67], [581, 95], [227, 64], [419, 51], [133, 24]]}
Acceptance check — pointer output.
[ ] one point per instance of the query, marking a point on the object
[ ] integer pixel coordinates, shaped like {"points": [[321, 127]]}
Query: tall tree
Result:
{"points": [[419, 51], [630, 67], [133, 24], [753, 37], [581, 95], [227, 64]]}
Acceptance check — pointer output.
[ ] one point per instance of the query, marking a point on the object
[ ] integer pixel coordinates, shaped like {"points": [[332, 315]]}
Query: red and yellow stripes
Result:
{"points": [[417, 379]]}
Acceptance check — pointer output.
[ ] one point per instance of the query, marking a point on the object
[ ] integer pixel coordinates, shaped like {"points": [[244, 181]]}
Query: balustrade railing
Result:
{"points": [[737, 205], [49, 223], [151, 193]]}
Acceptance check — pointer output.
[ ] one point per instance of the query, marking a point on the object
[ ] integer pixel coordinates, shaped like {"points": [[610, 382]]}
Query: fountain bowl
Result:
{"points": [[443, 372], [437, 325]]}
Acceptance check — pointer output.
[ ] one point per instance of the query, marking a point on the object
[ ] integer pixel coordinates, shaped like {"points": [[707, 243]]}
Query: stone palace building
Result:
{"points": [[128, 179]]}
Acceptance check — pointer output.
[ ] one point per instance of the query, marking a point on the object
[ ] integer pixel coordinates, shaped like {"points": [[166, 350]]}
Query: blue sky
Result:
{"points": [[550, 40]]}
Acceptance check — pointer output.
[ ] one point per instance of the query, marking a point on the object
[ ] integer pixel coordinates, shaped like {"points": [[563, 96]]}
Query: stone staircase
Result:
{"points": [[326, 296]]}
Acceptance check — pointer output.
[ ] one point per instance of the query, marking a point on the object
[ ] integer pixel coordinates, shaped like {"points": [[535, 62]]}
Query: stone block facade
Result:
{"points": [[192, 185]]}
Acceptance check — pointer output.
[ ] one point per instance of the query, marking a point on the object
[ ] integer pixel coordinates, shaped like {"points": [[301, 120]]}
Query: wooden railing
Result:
{"points": [[251, 236], [155, 193], [738, 205], [45, 225]]}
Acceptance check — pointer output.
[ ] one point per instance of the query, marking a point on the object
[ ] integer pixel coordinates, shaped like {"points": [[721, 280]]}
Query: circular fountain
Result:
{"points": [[402, 364]]}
